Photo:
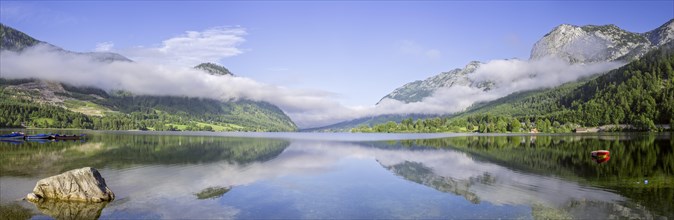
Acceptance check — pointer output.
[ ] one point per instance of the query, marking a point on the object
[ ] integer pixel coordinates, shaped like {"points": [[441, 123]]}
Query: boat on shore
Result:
{"points": [[18, 136]]}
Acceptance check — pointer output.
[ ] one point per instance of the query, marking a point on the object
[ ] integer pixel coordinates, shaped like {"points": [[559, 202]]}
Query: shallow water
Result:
{"points": [[306, 175]]}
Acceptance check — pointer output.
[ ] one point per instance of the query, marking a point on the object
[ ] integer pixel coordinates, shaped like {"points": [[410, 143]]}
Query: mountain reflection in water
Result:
{"points": [[170, 176]]}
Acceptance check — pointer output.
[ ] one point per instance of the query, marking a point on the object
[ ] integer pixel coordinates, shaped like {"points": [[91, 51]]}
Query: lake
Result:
{"points": [[346, 176]]}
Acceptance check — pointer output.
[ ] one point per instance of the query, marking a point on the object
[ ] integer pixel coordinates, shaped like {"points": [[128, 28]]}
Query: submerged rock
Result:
{"points": [[84, 184]]}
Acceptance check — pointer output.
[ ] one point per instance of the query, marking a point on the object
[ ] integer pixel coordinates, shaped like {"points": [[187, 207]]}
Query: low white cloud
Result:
{"points": [[193, 47], [508, 76], [306, 107], [514, 75], [104, 46], [166, 70]]}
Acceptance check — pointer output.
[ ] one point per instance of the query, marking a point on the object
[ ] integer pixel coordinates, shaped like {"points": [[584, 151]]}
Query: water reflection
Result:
{"points": [[120, 151], [460, 177], [71, 210]]}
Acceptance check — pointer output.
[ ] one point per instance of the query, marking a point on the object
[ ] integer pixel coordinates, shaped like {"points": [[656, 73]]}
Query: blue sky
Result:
{"points": [[360, 51]]}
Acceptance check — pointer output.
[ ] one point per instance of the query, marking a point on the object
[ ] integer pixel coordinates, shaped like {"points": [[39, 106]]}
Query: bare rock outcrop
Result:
{"points": [[84, 185]]}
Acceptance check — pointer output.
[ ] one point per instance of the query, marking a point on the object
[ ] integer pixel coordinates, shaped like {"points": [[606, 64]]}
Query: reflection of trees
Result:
{"points": [[31, 158], [106, 150], [644, 155], [633, 160], [146, 149], [418, 173]]}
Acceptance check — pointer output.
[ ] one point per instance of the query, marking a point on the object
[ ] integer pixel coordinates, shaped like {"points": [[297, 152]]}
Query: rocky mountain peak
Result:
{"points": [[472, 66], [418, 90], [590, 43]]}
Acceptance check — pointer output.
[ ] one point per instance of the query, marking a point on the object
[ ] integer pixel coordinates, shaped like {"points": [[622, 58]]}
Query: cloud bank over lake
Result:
{"points": [[307, 107]]}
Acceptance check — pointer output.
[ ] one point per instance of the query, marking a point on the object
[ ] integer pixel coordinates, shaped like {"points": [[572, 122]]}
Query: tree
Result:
{"points": [[515, 125]]}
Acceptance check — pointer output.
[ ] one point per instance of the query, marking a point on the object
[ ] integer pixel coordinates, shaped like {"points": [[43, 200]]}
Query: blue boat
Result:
{"points": [[38, 136], [13, 135]]}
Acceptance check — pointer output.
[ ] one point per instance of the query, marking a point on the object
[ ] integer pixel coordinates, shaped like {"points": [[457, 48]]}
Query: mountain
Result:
{"points": [[41, 103], [417, 90], [636, 96], [214, 69], [574, 44], [640, 93], [15, 40]]}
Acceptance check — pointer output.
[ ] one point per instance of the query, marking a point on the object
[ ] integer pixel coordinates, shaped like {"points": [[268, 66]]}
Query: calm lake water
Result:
{"points": [[347, 176]]}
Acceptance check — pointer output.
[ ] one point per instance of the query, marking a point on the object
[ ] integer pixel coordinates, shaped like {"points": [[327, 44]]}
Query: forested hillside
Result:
{"points": [[92, 108]]}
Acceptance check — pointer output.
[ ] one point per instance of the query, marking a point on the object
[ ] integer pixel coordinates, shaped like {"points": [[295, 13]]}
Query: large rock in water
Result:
{"points": [[84, 184]]}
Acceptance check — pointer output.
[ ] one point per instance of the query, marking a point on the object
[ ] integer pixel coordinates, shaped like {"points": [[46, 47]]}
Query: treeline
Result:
{"points": [[483, 123], [639, 95]]}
